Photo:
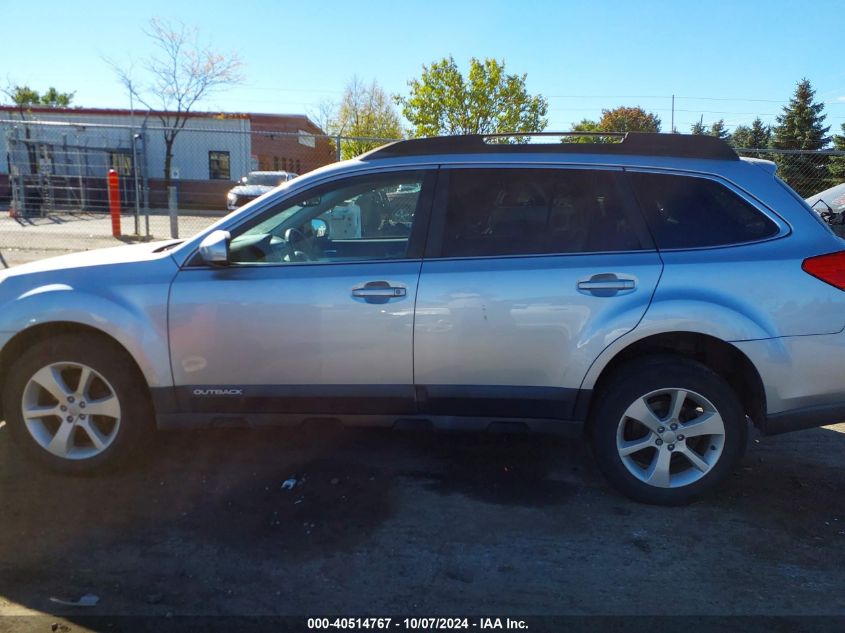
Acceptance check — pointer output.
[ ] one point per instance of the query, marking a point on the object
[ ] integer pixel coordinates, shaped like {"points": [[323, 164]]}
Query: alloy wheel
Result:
{"points": [[670, 437], [71, 410]]}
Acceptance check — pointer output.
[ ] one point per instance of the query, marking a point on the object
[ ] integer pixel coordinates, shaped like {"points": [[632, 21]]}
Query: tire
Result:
{"points": [[636, 445], [71, 427]]}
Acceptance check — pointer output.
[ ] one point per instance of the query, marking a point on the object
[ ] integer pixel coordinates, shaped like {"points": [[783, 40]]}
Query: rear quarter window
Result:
{"points": [[692, 212]]}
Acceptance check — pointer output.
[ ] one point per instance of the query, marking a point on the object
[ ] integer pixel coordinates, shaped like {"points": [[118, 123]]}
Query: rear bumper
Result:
{"points": [[803, 418]]}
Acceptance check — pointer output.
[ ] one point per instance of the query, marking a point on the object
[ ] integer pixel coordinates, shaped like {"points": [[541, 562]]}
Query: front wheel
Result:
{"points": [[666, 430], [76, 404]]}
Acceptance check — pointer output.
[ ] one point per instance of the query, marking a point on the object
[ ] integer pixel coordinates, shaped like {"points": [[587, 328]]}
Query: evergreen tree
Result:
{"points": [[761, 135], [801, 127], [719, 130], [757, 136], [837, 163], [698, 128]]}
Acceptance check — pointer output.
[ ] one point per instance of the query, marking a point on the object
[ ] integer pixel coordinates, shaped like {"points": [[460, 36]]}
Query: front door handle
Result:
{"points": [[606, 284], [378, 292]]}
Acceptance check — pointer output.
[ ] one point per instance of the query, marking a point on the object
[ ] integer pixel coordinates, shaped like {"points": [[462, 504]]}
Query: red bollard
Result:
{"points": [[114, 202]]}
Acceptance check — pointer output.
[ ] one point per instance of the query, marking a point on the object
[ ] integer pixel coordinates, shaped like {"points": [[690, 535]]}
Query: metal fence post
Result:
{"points": [[174, 214]]}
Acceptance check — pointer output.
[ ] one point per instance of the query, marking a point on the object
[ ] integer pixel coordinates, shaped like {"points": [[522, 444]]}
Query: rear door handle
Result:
{"points": [[606, 285], [378, 292]]}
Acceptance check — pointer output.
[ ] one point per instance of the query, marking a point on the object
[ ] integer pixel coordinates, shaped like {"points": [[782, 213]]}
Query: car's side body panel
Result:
{"points": [[799, 371], [281, 338], [520, 325], [125, 299]]}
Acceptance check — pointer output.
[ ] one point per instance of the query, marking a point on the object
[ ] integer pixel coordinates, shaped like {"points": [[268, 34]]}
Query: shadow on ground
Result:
{"points": [[382, 522]]}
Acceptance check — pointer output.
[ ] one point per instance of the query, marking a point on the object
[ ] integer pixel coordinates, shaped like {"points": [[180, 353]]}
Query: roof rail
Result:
{"points": [[631, 143]]}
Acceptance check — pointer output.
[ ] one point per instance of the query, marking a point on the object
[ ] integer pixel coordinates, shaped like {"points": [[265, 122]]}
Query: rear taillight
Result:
{"points": [[829, 268]]}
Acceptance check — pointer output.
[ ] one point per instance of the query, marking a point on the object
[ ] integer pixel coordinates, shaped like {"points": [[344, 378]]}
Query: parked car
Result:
{"points": [[659, 294], [255, 184], [830, 205]]}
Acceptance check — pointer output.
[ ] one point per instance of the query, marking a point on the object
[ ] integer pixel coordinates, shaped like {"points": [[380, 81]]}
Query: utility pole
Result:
{"points": [[135, 161], [673, 114]]}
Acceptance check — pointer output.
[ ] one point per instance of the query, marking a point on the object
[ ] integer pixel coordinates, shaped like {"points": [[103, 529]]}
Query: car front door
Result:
{"points": [[314, 312], [529, 274]]}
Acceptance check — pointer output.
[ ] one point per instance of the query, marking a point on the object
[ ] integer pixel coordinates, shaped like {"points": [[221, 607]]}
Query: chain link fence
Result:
{"points": [[54, 178], [55, 195]]}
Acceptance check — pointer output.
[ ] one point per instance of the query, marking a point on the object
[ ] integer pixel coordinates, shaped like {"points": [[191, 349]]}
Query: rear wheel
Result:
{"points": [[76, 403], [667, 429]]}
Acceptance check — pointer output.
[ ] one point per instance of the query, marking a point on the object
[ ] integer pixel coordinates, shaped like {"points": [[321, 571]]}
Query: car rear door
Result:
{"points": [[529, 274]]}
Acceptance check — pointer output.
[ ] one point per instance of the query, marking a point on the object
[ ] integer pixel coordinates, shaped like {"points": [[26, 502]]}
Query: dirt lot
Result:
{"points": [[407, 523]]}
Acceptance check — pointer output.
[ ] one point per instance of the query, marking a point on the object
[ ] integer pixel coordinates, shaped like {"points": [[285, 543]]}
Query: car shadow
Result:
{"points": [[207, 513]]}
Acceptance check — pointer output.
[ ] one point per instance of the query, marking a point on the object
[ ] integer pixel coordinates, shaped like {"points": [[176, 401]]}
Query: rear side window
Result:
{"points": [[690, 212], [536, 211]]}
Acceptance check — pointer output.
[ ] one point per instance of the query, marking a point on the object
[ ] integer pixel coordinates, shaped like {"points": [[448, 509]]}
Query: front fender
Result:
{"points": [[135, 315]]}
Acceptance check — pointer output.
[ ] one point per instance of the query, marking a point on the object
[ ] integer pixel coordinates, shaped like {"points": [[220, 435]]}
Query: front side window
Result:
{"points": [[692, 212], [218, 166], [366, 218], [537, 211]]}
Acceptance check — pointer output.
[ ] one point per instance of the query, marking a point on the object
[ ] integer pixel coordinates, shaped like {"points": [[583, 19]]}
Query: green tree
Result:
{"points": [[801, 127], [698, 128], [487, 101], [837, 163], [365, 112], [628, 119], [758, 136], [25, 97], [622, 119], [719, 130], [588, 126]]}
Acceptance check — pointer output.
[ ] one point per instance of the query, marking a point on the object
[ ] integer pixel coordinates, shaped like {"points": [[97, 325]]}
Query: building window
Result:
{"points": [[218, 166], [121, 162]]}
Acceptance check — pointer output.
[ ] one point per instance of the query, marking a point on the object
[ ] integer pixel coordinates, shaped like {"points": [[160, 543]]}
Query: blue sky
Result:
{"points": [[722, 59]]}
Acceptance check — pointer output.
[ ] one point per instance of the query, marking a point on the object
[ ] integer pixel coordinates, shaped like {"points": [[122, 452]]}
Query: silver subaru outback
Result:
{"points": [[659, 294]]}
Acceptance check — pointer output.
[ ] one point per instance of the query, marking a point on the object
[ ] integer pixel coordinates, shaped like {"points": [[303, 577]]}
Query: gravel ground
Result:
{"points": [[414, 523]]}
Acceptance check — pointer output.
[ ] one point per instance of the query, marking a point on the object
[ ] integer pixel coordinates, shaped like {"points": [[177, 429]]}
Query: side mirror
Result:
{"points": [[214, 249], [242, 180], [320, 227]]}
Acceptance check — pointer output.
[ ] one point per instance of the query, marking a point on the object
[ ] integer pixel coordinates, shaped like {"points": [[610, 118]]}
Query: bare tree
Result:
{"points": [[182, 73], [325, 116]]}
